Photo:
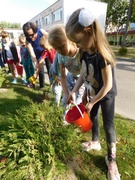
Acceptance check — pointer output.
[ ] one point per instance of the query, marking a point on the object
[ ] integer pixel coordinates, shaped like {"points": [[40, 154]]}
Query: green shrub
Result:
{"points": [[37, 145], [111, 42], [122, 51]]}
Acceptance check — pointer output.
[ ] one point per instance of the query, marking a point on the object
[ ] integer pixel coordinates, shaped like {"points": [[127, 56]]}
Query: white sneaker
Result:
{"points": [[65, 123], [113, 173], [91, 145]]}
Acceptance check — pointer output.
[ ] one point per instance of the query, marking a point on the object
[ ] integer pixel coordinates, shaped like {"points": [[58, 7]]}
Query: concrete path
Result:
{"points": [[125, 100]]}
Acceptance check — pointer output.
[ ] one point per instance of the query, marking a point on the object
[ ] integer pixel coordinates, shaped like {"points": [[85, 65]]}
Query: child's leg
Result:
{"points": [[13, 69], [108, 119], [94, 143], [57, 90], [27, 75], [94, 115], [31, 69], [41, 76], [48, 65], [107, 107]]}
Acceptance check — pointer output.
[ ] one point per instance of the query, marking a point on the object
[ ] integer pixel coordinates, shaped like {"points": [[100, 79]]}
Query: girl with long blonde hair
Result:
{"points": [[97, 74]]}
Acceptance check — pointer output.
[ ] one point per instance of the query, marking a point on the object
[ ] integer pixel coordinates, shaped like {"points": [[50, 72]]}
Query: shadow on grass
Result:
{"points": [[23, 96], [93, 167]]}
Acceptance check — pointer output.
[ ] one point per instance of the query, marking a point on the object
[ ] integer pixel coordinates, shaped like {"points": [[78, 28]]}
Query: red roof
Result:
{"points": [[121, 32]]}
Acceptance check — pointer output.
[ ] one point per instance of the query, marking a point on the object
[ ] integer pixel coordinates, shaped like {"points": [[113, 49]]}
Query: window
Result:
{"points": [[37, 23], [46, 20], [57, 15], [11, 35]]}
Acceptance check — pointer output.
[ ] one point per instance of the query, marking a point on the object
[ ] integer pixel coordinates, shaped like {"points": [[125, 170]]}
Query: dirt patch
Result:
{"points": [[2, 90]]}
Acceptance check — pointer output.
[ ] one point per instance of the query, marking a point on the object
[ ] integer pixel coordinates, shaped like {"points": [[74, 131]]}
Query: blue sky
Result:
{"points": [[21, 11]]}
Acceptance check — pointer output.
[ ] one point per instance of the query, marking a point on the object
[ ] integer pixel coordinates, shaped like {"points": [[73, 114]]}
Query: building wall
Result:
{"points": [[14, 33], [57, 12], [117, 38], [45, 19]]}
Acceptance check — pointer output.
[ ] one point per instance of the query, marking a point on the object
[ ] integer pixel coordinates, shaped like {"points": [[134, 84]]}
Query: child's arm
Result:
{"points": [[79, 82], [64, 80]]}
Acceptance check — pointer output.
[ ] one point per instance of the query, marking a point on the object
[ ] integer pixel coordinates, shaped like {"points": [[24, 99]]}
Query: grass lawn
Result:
{"points": [[34, 145], [130, 52]]}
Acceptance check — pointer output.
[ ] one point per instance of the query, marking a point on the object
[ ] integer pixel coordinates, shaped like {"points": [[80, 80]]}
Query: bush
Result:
{"points": [[37, 145], [111, 42], [122, 51]]}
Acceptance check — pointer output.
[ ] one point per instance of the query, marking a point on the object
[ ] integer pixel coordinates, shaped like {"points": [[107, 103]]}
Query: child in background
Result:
{"points": [[19, 66], [68, 58], [26, 60], [55, 80], [2, 65], [10, 55], [98, 75], [48, 52]]}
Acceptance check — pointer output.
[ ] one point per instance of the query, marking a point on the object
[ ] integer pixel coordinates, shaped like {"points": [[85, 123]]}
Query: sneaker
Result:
{"points": [[24, 81], [65, 123], [91, 145], [31, 85], [113, 173], [14, 81]]}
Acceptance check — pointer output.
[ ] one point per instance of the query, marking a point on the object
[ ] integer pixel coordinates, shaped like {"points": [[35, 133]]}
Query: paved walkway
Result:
{"points": [[125, 78]]}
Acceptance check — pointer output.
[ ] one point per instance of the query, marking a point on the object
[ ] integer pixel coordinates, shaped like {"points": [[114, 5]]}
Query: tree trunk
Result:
{"points": [[127, 23]]}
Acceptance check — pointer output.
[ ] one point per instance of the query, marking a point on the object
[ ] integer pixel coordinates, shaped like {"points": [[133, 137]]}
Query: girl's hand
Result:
{"points": [[35, 76], [89, 107], [71, 98]]}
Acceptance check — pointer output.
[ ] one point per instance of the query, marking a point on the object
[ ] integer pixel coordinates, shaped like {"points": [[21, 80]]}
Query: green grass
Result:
{"points": [[130, 52], [37, 146]]}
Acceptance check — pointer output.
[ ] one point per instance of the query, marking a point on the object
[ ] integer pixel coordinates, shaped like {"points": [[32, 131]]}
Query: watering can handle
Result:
{"points": [[78, 109]]}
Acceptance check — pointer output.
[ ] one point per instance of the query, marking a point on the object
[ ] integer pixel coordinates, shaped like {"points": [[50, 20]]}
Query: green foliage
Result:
{"points": [[116, 12], [4, 24], [37, 145], [111, 42], [133, 12], [122, 51]]}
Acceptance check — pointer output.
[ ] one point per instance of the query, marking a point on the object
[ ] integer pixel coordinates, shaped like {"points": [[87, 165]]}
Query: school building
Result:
{"points": [[61, 9], [115, 38]]}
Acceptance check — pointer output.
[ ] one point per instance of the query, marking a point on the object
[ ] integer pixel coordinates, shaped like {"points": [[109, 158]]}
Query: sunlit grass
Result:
{"points": [[24, 109]]}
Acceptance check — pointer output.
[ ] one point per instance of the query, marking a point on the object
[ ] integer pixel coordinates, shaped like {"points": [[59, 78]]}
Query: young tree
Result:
{"points": [[133, 12], [127, 22], [116, 14]]}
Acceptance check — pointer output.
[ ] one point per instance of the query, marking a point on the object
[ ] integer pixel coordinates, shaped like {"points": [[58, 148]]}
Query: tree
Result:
{"points": [[4, 24], [116, 15], [127, 22], [133, 12]]}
